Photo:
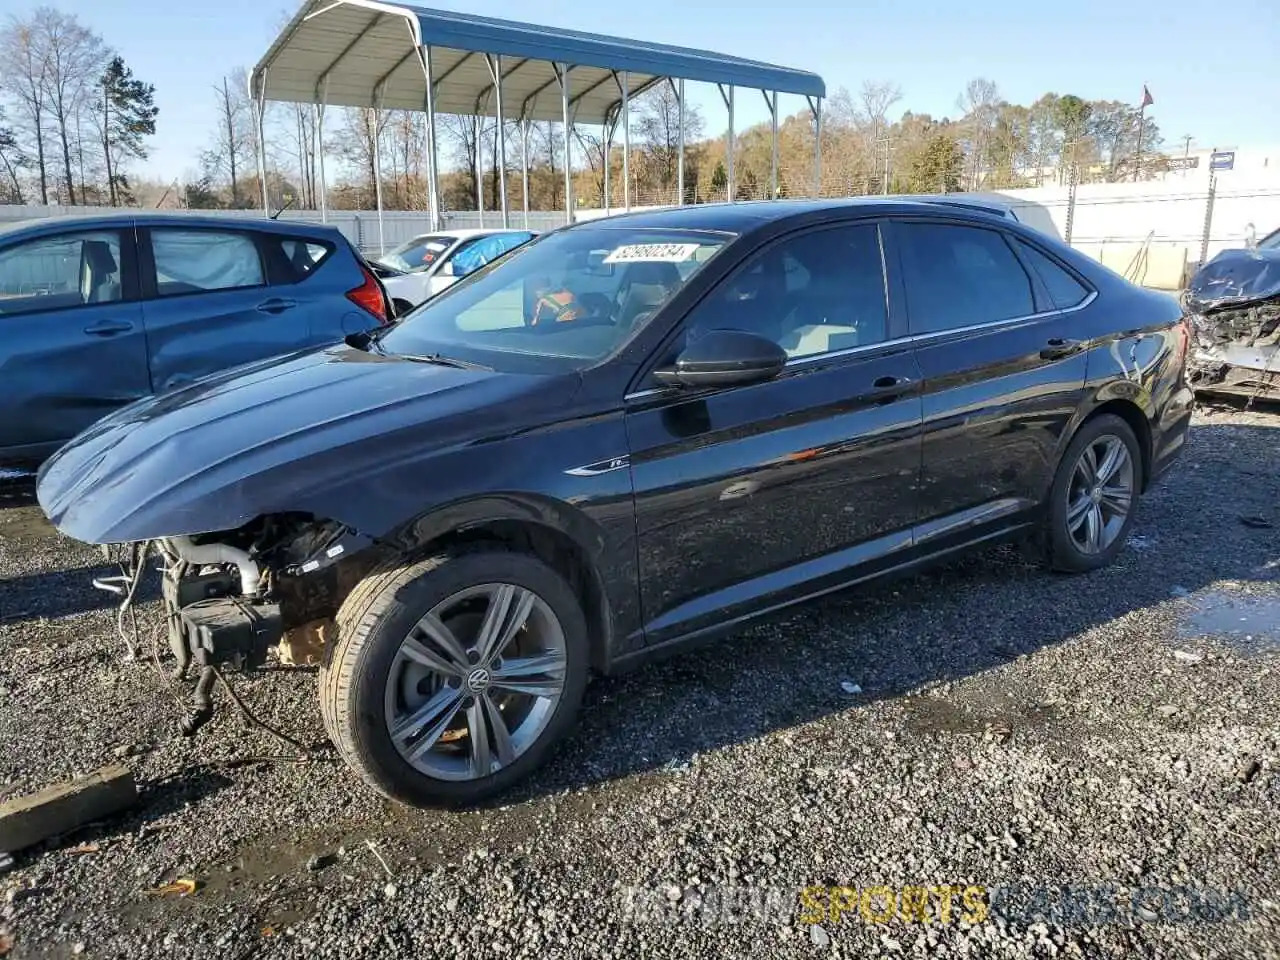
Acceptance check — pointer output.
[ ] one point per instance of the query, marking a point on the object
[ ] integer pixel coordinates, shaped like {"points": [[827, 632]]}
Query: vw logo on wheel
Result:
{"points": [[477, 680]]}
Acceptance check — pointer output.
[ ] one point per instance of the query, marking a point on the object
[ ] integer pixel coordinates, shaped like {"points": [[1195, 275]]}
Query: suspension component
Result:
{"points": [[201, 704]]}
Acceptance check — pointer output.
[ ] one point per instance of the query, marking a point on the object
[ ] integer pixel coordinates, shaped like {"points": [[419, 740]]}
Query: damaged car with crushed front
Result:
{"points": [[1234, 303], [623, 437]]}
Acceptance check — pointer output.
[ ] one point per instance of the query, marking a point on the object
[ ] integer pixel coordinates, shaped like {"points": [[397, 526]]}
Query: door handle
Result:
{"points": [[885, 389], [1059, 347], [108, 328], [276, 305]]}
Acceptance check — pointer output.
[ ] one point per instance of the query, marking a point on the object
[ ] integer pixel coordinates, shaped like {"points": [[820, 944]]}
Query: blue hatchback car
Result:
{"points": [[96, 312]]}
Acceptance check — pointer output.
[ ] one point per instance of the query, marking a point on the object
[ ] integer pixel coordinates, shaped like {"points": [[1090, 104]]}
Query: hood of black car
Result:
{"points": [[263, 438]]}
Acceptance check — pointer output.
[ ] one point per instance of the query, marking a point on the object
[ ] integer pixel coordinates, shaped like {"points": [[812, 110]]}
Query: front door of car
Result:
{"points": [[753, 495], [208, 305], [1003, 375], [72, 345]]}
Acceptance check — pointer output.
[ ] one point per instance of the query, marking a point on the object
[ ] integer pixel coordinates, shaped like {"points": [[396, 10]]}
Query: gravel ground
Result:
{"points": [[1097, 756]]}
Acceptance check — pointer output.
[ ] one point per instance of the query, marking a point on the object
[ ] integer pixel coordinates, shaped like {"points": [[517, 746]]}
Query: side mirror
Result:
{"points": [[724, 358]]}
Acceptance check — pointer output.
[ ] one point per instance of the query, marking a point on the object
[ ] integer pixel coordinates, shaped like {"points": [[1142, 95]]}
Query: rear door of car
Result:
{"points": [[208, 303], [754, 495], [1002, 374], [72, 346], [315, 273]]}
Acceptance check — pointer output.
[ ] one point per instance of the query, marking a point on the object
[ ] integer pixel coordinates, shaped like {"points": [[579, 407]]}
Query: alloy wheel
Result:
{"points": [[1100, 495], [476, 682]]}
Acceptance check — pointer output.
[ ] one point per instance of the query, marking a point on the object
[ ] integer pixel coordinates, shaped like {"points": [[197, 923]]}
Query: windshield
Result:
{"points": [[418, 253], [559, 303]]}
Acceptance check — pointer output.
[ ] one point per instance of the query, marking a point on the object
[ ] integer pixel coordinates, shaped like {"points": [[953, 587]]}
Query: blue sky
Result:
{"points": [[1212, 77]]}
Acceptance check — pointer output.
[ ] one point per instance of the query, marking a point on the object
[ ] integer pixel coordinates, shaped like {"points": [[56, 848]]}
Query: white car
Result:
{"points": [[418, 269]]}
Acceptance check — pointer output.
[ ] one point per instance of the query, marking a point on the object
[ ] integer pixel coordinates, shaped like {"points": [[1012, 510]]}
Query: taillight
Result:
{"points": [[368, 296]]}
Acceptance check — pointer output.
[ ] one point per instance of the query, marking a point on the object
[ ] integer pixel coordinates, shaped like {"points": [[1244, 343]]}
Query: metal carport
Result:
{"points": [[364, 53]]}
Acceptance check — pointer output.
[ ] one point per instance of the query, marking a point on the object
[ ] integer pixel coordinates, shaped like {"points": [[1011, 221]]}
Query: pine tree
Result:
{"points": [[128, 115], [719, 178]]}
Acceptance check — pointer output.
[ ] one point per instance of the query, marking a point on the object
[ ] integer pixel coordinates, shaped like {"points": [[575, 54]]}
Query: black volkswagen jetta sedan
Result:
{"points": [[627, 435]]}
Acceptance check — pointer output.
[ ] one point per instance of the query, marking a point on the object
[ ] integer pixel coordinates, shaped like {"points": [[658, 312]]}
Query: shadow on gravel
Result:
{"points": [[56, 593], [17, 493], [63, 593], [969, 616]]}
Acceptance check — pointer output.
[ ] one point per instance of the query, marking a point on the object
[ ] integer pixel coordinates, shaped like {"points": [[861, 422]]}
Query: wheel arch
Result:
{"points": [[557, 534], [1119, 400]]}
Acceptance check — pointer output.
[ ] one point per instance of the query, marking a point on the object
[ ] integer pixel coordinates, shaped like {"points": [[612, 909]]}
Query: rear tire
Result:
{"points": [[431, 654], [1094, 498]]}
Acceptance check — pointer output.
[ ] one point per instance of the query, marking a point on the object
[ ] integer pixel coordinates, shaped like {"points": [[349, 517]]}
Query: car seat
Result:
{"points": [[645, 288], [100, 281]]}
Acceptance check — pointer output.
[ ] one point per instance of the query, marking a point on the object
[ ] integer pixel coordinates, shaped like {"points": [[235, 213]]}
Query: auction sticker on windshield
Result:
{"points": [[653, 253]]}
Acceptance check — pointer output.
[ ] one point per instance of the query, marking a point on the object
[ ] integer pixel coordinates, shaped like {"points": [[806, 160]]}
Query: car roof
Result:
{"points": [[148, 218], [743, 216], [464, 233]]}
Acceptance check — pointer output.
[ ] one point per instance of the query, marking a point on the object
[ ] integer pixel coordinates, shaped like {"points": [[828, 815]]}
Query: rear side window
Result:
{"points": [[305, 255], [53, 273], [1064, 289], [959, 276], [200, 261], [297, 258]]}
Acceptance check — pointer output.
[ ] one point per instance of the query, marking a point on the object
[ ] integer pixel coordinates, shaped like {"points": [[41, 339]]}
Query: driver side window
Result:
{"points": [[815, 293]]}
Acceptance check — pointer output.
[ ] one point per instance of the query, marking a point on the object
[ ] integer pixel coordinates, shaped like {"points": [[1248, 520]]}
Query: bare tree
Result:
{"points": [[355, 143], [74, 58], [593, 146], [23, 66], [875, 99], [657, 122], [302, 127], [980, 103], [552, 146], [233, 141], [466, 136]]}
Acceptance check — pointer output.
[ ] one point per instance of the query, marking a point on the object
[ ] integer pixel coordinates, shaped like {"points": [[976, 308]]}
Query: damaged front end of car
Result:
{"points": [[230, 597], [1234, 306]]}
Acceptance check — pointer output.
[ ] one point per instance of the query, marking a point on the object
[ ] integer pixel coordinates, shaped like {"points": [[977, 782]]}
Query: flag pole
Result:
{"points": [[1142, 114]]}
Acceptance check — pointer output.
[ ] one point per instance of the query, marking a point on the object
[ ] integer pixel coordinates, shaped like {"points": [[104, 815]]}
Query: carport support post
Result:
{"points": [[726, 94], [524, 166], [606, 134], [680, 148], [259, 109], [626, 141], [500, 161], [477, 128], [562, 72], [815, 106], [377, 172], [324, 189], [433, 178], [771, 98]]}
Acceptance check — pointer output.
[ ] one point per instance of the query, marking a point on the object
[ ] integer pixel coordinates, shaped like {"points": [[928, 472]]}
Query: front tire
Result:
{"points": [[1094, 497], [454, 677]]}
